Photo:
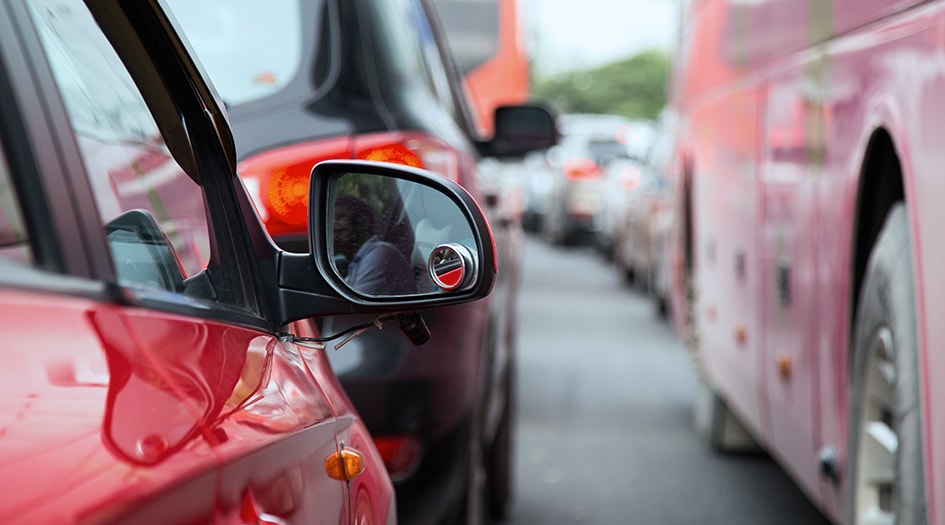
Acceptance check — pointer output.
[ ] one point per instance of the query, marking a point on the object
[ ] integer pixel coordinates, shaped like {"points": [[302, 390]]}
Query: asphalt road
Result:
{"points": [[604, 429]]}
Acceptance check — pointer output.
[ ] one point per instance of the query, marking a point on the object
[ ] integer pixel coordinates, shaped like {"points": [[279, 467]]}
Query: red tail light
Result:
{"points": [[278, 180], [411, 149], [581, 169], [401, 454]]}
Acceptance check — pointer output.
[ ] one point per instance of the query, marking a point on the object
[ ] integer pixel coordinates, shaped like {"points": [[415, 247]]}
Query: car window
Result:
{"points": [[153, 212], [14, 241], [416, 46], [250, 49], [472, 28]]}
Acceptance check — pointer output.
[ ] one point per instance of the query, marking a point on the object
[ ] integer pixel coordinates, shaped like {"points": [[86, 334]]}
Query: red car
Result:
{"points": [[156, 368]]}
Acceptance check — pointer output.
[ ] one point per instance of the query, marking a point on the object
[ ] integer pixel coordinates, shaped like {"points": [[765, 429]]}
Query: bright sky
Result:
{"points": [[568, 35]]}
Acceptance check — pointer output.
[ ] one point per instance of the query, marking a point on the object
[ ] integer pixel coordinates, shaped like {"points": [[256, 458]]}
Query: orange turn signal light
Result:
{"points": [[344, 465]]}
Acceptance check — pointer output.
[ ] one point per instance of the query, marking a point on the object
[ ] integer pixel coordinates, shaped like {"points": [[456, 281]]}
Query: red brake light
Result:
{"points": [[278, 180], [401, 454], [580, 169], [411, 149], [629, 177], [287, 196], [396, 153]]}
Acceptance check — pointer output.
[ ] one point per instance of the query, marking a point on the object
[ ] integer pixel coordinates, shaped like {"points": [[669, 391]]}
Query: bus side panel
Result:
{"points": [[725, 208], [788, 302], [790, 219]]}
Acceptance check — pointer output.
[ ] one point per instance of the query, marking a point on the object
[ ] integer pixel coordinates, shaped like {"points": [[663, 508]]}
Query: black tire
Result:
{"points": [[885, 457]]}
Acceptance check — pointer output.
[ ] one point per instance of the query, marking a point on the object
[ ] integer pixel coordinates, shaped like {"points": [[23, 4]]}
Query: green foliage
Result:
{"points": [[634, 87]]}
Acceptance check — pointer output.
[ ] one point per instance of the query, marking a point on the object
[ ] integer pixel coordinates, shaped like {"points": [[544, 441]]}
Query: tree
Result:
{"points": [[634, 87]]}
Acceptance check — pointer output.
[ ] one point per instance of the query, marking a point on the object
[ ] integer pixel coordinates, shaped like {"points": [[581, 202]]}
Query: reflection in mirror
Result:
{"points": [[385, 230]]}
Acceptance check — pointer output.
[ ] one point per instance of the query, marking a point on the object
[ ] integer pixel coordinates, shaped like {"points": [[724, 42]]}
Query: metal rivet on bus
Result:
{"points": [[711, 313], [784, 364], [741, 335]]}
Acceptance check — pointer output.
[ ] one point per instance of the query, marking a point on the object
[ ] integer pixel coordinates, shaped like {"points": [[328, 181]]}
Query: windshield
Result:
{"points": [[249, 49]]}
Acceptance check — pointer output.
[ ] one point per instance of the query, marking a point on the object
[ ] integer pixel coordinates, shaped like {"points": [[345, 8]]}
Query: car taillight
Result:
{"points": [[278, 179], [580, 169], [401, 454], [629, 177], [412, 149]]}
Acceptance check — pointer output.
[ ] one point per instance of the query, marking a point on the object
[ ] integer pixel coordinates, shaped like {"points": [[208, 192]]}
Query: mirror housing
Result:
{"points": [[415, 214], [519, 130]]}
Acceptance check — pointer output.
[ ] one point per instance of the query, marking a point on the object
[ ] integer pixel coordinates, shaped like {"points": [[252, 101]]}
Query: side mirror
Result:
{"points": [[520, 130], [387, 238]]}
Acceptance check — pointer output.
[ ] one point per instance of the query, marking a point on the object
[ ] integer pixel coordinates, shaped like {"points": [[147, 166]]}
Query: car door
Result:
{"points": [[91, 427], [157, 391]]}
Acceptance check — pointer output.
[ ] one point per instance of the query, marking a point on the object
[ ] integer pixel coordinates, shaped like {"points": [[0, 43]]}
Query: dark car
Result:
{"points": [[374, 80], [161, 362]]}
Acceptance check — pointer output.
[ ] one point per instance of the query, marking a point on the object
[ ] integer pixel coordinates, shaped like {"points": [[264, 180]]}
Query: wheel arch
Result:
{"points": [[880, 187]]}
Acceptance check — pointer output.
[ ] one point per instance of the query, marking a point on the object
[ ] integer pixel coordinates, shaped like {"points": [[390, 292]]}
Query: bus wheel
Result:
{"points": [[885, 481]]}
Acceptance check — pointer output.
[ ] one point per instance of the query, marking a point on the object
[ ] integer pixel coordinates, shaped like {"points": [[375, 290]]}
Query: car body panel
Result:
{"points": [[76, 439]]}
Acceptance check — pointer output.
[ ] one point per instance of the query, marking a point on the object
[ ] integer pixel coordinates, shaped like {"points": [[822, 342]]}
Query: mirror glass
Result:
{"points": [[384, 230]]}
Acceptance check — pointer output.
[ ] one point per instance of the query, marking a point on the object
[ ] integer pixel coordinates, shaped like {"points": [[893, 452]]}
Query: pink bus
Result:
{"points": [[809, 247]]}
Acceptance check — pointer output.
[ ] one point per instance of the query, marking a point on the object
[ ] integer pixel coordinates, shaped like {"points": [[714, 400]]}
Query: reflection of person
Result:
{"points": [[374, 266]]}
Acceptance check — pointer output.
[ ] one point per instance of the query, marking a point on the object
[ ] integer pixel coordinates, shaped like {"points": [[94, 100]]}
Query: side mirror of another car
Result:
{"points": [[520, 130], [387, 238]]}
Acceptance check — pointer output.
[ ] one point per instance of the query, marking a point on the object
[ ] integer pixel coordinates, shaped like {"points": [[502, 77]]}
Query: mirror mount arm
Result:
{"points": [[303, 292], [410, 323]]}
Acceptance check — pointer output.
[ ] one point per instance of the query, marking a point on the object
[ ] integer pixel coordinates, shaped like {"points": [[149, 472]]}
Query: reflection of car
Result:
{"points": [[371, 80], [646, 215], [620, 177], [158, 361], [573, 198]]}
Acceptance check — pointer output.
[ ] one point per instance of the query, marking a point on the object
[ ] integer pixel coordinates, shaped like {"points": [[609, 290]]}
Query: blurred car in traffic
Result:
{"points": [[536, 177], [372, 79], [573, 196], [621, 178], [645, 217], [160, 359]]}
